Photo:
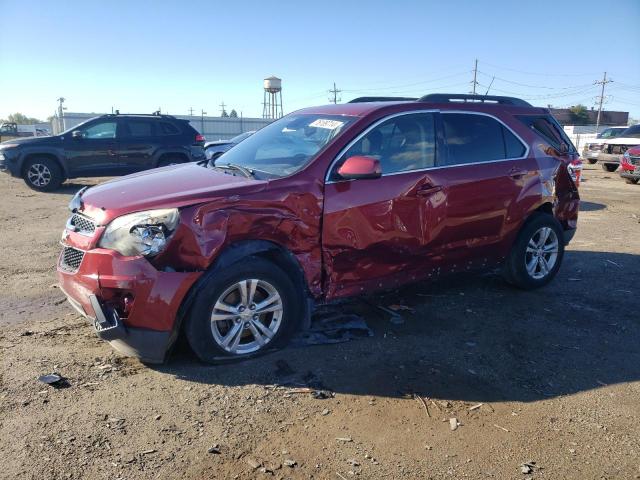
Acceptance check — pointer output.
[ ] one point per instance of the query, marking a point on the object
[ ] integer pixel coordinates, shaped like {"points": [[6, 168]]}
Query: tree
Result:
{"points": [[224, 114], [580, 115], [21, 119], [233, 114]]}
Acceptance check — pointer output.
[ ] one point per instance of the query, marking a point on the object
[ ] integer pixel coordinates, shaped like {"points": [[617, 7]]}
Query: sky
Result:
{"points": [[138, 56]]}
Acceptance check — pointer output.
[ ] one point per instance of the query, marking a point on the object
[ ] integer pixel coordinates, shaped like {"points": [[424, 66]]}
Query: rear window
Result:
{"points": [[167, 128], [548, 129], [473, 138]]}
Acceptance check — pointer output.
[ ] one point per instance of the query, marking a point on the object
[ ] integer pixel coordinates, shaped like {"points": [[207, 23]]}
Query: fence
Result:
{"points": [[213, 128]]}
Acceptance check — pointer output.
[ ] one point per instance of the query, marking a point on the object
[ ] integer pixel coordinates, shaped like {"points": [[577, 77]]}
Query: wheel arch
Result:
{"points": [[52, 156], [171, 154], [271, 251]]}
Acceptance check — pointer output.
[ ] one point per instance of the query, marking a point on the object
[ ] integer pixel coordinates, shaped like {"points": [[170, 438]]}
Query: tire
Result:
{"points": [[165, 162], [631, 181], [214, 341], [592, 161], [42, 174], [526, 252], [609, 167]]}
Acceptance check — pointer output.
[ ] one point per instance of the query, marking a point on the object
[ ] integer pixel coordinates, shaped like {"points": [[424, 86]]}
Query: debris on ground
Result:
{"points": [[253, 463], [475, 407], [290, 463], [527, 467], [55, 380], [344, 439], [424, 404], [453, 423], [332, 327], [215, 448]]}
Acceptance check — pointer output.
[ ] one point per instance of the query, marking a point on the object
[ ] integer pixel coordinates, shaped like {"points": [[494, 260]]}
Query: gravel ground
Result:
{"points": [[542, 384]]}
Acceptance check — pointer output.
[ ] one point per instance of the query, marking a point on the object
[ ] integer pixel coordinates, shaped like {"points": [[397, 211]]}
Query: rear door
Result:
{"points": [[482, 184], [138, 143], [372, 233]]}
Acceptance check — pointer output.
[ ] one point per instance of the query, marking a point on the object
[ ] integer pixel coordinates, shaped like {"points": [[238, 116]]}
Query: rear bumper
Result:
{"points": [[132, 305]]}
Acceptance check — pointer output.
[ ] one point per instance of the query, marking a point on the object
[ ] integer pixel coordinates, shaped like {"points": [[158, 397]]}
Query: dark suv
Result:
{"points": [[325, 203], [108, 145]]}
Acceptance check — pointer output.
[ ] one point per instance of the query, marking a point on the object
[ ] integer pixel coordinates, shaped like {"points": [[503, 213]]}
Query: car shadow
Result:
{"points": [[469, 337], [591, 206]]}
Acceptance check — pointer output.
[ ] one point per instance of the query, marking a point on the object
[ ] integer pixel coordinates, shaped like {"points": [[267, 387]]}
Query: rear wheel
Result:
{"points": [[609, 167], [536, 255], [249, 308], [42, 174], [632, 181], [592, 161]]}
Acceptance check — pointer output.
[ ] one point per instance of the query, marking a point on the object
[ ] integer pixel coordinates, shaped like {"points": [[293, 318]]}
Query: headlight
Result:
{"points": [[141, 233]]}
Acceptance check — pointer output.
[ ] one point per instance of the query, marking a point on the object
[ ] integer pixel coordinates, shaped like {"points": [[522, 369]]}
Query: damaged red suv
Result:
{"points": [[327, 202]]}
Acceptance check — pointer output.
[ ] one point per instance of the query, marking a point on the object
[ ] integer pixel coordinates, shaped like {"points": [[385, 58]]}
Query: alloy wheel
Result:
{"points": [[39, 175], [246, 316], [542, 253]]}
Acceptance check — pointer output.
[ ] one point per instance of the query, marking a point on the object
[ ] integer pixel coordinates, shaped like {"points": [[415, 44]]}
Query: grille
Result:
{"points": [[634, 160], [71, 258], [82, 224], [617, 149]]}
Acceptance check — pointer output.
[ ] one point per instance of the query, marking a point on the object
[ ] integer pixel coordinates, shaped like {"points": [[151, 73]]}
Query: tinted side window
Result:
{"points": [[401, 144], [514, 147], [140, 128], [167, 128], [101, 130], [548, 129], [473, 138]]}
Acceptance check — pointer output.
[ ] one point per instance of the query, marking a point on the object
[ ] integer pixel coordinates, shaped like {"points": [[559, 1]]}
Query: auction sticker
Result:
{"points": [[328, 124]]}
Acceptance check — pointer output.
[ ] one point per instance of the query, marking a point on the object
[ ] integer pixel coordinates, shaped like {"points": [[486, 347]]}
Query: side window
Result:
{"points": [[167, 128], [513, 146], [101, 130], [473, 138], [547, 128], [401, 144], [139, 128]]}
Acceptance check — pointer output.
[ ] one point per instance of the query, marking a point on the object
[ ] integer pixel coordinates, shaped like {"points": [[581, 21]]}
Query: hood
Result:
{"points": [[30, 140], [623, 141], [168, 187], [217, 143]]}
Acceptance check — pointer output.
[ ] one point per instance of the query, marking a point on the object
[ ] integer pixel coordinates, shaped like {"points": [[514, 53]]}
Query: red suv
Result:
{"points": [[327, 202]]}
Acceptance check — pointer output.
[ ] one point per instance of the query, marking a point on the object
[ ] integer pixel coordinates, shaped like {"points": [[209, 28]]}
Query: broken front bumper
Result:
{"points": [[132, 305]]}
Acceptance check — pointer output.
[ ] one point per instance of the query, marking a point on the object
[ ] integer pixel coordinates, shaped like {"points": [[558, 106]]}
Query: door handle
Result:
{"points": [[425, 190], [517, 173], [111, 152]]}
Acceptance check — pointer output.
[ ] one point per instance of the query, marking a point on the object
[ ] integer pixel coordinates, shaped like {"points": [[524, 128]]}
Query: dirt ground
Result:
{"points": [[549, 378]]}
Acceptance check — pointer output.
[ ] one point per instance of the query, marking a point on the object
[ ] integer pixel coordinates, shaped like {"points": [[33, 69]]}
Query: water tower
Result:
{"points": [[272, 98]]}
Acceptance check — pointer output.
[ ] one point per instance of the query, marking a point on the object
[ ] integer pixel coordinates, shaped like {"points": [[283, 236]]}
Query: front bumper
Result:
{"points": [[9, 162], [132, 305], [590, 154], [611, 158]]}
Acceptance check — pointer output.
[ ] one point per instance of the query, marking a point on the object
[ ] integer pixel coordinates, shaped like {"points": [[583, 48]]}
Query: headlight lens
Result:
{"points": [[141, 233]]}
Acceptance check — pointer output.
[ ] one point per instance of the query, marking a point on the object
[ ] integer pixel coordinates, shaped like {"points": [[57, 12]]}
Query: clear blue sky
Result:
{"points": [[140, 55]]}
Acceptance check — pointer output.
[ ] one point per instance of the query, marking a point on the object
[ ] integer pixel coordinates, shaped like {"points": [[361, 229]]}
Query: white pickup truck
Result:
{"points": [[613, 149], [593, 147]]}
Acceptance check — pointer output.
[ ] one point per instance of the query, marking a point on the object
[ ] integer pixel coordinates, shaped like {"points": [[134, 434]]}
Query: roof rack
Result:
{"points": [[460, 97], [382, 99], [154, 114]]}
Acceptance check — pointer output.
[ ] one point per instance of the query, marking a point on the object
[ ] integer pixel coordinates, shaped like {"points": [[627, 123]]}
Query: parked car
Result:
{"points": [[324, 203], [630, 165], [591, 149], [213, 150], [107, 145], [613, 149]]}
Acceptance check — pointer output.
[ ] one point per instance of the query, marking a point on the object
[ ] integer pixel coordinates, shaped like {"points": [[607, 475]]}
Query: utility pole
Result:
{"points": [[191, 111], [202, 114], [61, 110], [335, 93], [475, 77], [602, 82], [223, 112]]}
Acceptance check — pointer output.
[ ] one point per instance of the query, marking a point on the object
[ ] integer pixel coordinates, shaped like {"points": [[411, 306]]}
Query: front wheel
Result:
{"points": [[631, 181], [250, 307], [42, 174], [609, 167], [536, 255]]}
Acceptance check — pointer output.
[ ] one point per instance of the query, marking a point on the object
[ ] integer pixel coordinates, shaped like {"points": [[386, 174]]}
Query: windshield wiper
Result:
{"points": [[232, 166]]}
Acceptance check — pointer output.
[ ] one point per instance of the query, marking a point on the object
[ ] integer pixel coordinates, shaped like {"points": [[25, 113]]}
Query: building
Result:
{"points": [[213, 128], [566, 117]]}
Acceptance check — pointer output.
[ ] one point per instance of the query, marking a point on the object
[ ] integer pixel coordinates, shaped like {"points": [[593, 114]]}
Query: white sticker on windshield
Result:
{"points": [[324, 123]]}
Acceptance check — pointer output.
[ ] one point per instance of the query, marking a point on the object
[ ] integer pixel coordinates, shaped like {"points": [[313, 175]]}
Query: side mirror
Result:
{"points": [[360, 167], [77, 134]]}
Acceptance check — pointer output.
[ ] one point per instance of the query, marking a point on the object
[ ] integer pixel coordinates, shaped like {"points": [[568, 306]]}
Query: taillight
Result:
{"points": [[200, 138]]}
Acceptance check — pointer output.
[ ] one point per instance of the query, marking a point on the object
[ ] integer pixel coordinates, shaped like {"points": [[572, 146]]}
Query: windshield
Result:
{"points": [[633, 132], [241, 137], [77, 126], [611, 132], [286, 145]]}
